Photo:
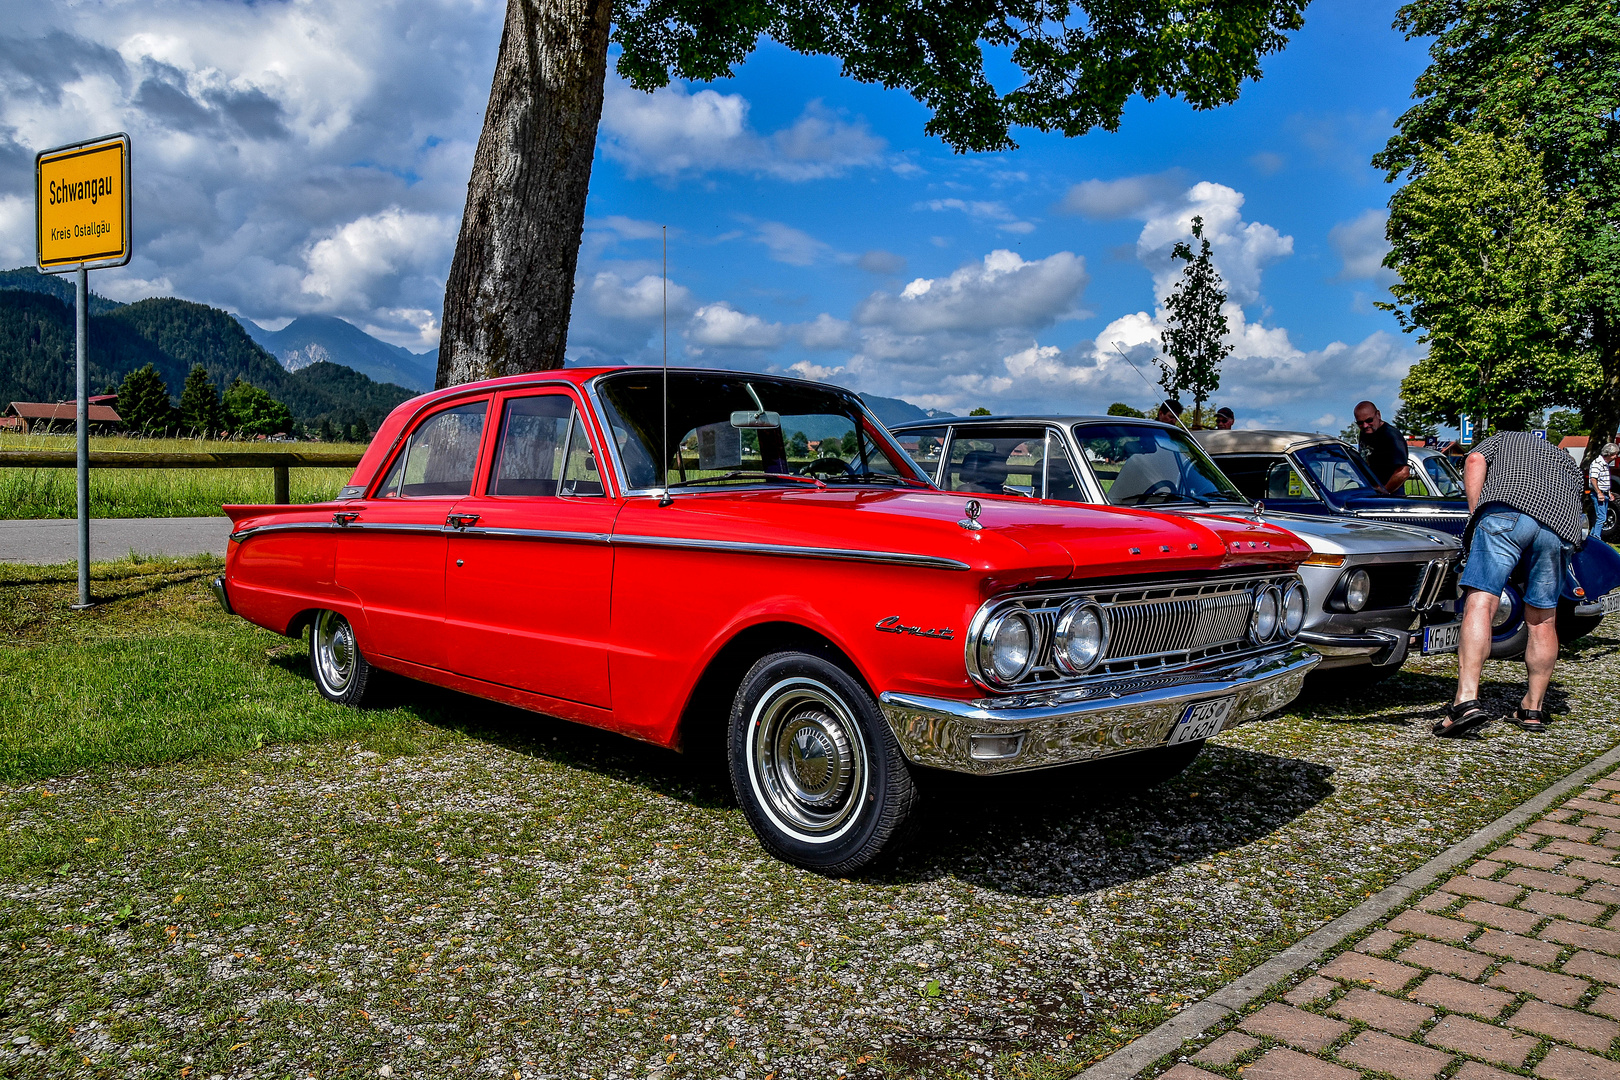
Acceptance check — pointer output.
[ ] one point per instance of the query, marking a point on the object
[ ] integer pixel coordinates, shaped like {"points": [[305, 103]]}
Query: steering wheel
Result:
{"points": [[1155, 488], [829, 466]]}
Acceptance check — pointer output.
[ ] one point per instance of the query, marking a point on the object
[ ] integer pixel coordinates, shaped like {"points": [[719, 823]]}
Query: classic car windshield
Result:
{"points": [[1140, 464], [756, 428], [1335, 467], [1445, 478]]}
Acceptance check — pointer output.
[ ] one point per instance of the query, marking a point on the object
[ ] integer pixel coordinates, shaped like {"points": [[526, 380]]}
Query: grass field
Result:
{"points": [[204, 868], [49, 493]]}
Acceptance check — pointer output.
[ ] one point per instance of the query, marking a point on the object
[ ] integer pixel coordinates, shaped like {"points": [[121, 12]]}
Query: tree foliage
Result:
{"points": [[1195, 329], [1486, 259], [1079, 60], [1119, 408], [1410, 422], [199, 404], [251, 411], [143, 402], [1547, 73]]}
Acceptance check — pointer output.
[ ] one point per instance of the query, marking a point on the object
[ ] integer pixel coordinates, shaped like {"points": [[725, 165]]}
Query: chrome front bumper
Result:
{"points": [[1119, 717], [217, 587], [1379, 646]]}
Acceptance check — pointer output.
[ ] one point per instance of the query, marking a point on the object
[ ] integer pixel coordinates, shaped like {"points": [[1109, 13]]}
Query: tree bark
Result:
{"points": [[511, 284]]}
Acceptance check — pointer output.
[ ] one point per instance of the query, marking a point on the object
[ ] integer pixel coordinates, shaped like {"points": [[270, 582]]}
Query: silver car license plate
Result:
{"points": [[1611, 602], [1201, 720], [1441, 639]]}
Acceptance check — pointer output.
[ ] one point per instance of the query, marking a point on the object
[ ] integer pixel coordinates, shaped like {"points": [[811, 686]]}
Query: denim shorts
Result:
{"points": [[1502, 538]]}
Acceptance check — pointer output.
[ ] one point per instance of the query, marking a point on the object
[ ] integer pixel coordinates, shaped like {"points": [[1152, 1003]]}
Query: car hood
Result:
{"points": [[1356, 502], [1353, 536], [1018, 540]]}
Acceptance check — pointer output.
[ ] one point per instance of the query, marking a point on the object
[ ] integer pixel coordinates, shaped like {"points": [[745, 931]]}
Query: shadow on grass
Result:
{"points": [[1058, 831]]}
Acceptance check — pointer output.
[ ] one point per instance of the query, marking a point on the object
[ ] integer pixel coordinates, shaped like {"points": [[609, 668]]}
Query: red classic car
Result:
{"points": [[830, 617]]}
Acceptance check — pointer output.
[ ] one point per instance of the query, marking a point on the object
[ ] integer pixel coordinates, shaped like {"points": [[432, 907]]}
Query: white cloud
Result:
{"points": [[347, 267], [618, 317], [824, 333], [994, 212], [1000, 291], [789, 245], [674, 131], [721, 326], [1242, 250], [804, 369], [1362, 246], [878, 261], [1129, 196]]}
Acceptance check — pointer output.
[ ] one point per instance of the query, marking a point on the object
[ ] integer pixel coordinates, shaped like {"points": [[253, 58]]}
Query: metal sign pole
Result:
{"points": [[83, 376]]}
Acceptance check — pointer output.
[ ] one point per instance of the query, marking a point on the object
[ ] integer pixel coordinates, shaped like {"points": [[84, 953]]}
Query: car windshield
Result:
{"points": [[1444, 475], [1336, 468], [1143, 464], [743, 429]]}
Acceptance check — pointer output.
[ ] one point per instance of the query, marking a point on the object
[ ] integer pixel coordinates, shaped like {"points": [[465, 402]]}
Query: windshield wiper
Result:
{"points": [[745, 475], [883, 478]]}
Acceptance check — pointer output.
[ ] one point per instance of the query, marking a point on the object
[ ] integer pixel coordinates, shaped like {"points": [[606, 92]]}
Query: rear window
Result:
{"points": [[440, 456]]}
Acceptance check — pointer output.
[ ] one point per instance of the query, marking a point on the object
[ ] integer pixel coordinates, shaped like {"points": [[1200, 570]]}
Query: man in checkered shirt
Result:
{"points": [[1525, 497]]}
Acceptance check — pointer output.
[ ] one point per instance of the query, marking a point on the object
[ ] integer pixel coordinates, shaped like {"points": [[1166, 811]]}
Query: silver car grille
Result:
{"points": [[1151, 627]]}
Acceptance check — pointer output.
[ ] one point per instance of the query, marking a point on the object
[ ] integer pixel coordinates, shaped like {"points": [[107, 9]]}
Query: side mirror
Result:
{"points": [[1018, 489]]}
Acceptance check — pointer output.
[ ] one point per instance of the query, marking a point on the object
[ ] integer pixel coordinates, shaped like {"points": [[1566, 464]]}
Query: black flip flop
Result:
{"points": [[1529, 719], [1461, 717]]}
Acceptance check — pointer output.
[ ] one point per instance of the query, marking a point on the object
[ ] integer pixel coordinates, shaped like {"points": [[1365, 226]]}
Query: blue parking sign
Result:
{"points": [[1540, 433], [1467, 429]]}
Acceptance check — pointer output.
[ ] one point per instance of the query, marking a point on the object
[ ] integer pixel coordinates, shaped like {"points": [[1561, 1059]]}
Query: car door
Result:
{"points": [[530, 571], [391, 552]]}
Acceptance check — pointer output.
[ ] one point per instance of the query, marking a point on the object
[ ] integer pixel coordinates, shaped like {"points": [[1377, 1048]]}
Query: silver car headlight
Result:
{"points": [[1354, 590], [1081, 638], [1293, 609], [1267, 612], [1007, 647]]}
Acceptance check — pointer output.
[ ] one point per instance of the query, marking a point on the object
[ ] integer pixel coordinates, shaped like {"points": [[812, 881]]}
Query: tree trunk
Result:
{"points": [[511, 283], [1602, 414]]}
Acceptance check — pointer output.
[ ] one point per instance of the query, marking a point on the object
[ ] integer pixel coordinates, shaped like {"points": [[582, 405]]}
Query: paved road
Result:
{"points": [[56, 540]]}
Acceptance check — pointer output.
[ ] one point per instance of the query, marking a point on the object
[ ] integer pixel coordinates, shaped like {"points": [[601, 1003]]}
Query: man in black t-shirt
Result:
{"points": [[1384, 447]]}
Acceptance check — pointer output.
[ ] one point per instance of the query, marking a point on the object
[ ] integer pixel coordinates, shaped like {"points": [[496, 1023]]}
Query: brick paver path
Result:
{"points": [[1511, 967]]}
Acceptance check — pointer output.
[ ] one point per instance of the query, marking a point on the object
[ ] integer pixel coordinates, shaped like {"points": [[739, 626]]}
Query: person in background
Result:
{"points": [[1598, 477], [1524, 495], [1170, 412], [1384, 447], [1224, 419]]}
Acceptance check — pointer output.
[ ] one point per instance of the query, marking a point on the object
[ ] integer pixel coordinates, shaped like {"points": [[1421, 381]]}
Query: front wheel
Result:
{"points": [[815, 767], [341, 672]]}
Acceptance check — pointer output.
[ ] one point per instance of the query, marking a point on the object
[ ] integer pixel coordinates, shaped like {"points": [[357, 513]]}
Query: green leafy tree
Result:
{"points": [[1548, 73], [1078, 62], [798, 445], [1412, 424], [1119, 408], [251, 411], [1195, 329], [200, 412], [326, 429], [850, 444], [1486, 263], [362, 430], [1561, 423], [143, 402], [980, 411]]}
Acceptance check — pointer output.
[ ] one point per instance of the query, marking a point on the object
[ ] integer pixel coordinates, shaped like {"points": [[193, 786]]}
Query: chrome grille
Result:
{"points": [[1151, 627]]}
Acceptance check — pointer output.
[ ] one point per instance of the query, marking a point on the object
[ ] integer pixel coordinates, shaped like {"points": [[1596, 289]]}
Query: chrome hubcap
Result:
{"points": [[334, 650], [808, 759]]}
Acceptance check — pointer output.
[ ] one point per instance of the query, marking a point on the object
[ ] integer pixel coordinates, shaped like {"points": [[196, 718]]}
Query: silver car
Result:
{"points": [[1377, 592], [1433, 475]]}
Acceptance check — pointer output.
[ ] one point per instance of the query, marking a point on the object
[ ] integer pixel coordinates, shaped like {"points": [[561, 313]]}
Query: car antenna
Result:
{"points": [[1144, 378], [666, 498]]}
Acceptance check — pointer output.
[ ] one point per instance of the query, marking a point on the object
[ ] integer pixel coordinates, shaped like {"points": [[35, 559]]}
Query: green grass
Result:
{"points": [[49, 493], [154, 673]]}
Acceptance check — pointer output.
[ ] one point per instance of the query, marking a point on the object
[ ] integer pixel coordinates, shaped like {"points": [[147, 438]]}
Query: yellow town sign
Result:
{"points": [[82, 205]]}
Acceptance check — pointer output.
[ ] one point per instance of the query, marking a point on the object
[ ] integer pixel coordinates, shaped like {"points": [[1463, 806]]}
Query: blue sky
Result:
{"points": [[304, 158]]}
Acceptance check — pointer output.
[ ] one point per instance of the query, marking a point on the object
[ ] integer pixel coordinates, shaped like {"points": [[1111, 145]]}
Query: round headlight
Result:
{"points": [[1080, 638], [1357, 587], [1263, 627], [1007, 647], [1293, 609]]}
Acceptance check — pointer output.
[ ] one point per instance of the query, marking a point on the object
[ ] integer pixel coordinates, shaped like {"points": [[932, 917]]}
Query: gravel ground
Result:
{"points": [[526, 898]]}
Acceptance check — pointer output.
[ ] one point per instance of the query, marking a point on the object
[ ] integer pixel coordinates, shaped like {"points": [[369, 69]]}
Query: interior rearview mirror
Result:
{"points": [[757, 421]]}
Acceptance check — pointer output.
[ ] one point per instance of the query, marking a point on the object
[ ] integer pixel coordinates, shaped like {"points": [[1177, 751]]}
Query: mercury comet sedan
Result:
{"points": [[1373, 592], [667, 556]]}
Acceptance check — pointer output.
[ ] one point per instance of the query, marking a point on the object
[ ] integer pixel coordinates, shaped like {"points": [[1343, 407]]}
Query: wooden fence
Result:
{"points": [[278, 462]]}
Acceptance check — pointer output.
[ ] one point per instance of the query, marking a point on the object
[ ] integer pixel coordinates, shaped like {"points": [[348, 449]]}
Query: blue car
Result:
{"points": [[1310, 473]]}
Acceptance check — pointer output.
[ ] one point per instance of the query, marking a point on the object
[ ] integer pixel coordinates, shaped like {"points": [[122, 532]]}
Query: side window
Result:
{"points": [[580, 476], [1284, 482], [1061, 481], [994, 461], [529, 452], [924, 446], [440, 456]]}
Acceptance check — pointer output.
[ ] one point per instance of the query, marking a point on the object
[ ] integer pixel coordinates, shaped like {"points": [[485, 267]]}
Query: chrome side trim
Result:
{"points": [[217, 587], [740, 547], [537, 534], [292, 526], [321, 526], [939, 732]]}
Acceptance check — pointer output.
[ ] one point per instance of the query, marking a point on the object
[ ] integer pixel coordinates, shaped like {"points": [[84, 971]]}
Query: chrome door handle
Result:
{"points": [[343, 517], [460, 521]]}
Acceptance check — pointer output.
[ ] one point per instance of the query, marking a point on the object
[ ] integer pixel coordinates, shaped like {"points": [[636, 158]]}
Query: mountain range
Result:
{"points": [[311, 339]]}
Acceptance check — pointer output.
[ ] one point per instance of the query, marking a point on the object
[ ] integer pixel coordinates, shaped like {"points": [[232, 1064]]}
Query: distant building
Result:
{"points": [[44, 416]]}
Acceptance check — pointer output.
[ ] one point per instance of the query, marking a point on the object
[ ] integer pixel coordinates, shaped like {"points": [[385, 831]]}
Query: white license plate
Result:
{"points": [[1202, 720], [1611, 603], [1441, 639]]}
